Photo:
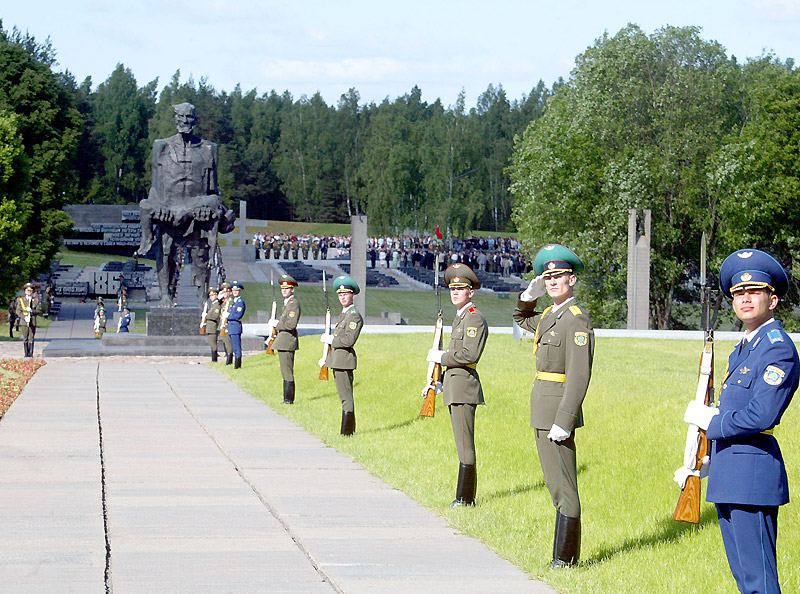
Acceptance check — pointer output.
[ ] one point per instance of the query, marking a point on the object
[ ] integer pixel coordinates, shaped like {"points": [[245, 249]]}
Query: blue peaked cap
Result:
{"points": [[750, 268]]}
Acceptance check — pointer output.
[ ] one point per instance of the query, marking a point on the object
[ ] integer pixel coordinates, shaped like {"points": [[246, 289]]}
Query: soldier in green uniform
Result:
{"points": [[226, 300], [27, 307], [564, 349], [286, 342], [462, 384], [342, 356], [212, 314], [100, 323]]}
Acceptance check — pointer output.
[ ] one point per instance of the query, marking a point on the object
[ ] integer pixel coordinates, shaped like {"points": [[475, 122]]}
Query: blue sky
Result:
{"points": [[381, 48]]}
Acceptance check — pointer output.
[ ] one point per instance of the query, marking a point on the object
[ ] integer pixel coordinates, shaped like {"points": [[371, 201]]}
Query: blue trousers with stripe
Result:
{"points": [[749, 533]]}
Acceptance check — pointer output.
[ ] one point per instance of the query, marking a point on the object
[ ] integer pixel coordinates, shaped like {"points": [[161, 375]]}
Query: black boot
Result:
{"points": [[214, 355], [467, 484], [237, 363], [566, 542], [348, 423], [27, 349], [288, 392], [229, 359]]}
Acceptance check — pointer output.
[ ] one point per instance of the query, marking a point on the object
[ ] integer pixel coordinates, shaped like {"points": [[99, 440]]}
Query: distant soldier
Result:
{"points": [[12, 317], [462, 384], [234, 325], [100, 323], [342, 355], [213, 312], [27, 308], [226, 300], [286, 341], [564, 349]]}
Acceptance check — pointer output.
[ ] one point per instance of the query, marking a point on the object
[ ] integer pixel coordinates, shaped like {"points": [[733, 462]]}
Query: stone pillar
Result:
{"points": [[245, 242], [638, 271], [358, 260]]}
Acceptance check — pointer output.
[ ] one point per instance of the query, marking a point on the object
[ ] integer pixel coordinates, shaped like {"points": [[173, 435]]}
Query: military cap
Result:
{"points": [[27, 286], [212, 290], [749, 269], [555, 259], [237, 285], [345, 284], [287, 281], [224, 286], [461, 275]]}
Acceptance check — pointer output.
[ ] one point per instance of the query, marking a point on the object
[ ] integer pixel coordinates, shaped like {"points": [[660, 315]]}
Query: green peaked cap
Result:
{"points": [[345, 284], [554, 258]]}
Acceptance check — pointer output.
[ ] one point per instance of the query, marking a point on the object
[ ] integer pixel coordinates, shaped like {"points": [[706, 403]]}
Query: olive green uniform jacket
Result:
{"points": [[342, 354], [212, 316], [286, 338], [462, 385], [564, 345]]}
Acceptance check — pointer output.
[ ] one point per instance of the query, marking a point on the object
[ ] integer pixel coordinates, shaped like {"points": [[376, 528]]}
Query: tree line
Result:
{"points": [[667, 122]]}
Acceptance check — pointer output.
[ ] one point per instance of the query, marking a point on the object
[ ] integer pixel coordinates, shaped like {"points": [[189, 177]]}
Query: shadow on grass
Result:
{"points": [[520, 489], [399, 425], [669, 530]]}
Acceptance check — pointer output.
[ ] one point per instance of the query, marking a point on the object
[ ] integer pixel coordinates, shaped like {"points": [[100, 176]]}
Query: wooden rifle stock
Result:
{"points": [[434, 374], [688, 508]]}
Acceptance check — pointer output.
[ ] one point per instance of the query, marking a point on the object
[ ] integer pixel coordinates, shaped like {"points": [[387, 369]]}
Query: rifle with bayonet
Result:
{"points": [[202, 319], [326, 348], [688, 508], [273, 321], [434, 369]]}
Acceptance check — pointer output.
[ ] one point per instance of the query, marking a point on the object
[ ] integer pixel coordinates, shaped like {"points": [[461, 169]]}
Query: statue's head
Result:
{"points": [[185, 117]]}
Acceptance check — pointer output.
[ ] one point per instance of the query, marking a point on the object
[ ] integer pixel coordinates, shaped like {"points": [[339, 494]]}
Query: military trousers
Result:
{"points": [[27, 332], [212, 339], [462, 418], [559, 465], [750, 533], [226, 344], [286, 359], [236, 345], [344, 386]]}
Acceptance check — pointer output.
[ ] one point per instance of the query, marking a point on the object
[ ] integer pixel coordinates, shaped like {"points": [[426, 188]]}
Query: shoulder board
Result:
{"points": [[472, 310], [576, 311], [774, 336]]}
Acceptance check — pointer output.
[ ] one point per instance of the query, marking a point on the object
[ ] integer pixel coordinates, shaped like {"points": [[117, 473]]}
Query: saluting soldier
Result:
{"points": [[286, 342], [213, 314], [462, 384], [746, 474], [234, 325], [564, 349], [28, 307], [342, 355], [226, 300]]}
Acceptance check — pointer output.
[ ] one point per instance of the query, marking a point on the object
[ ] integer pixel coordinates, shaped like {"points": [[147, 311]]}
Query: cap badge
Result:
{"points": [[456, 280], [549, 247], [744, 254], [551, 265], [746, 276]]}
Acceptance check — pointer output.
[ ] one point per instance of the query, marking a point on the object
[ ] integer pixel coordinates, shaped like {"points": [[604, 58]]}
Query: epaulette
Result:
{"points": [[472, 310], [576, 311], [774, 336]]}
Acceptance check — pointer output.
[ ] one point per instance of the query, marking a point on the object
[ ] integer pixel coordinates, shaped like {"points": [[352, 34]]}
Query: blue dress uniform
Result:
{"points": [[234, 325], [125, 321], [746, 475]]}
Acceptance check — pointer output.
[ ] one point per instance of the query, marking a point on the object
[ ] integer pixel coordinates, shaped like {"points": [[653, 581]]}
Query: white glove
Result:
{"points": [[435, 356], [437, 389], [557, 434], [683, 473], [536, 288], [326, 338], [699, 414], [271, 325], [321, 362]]}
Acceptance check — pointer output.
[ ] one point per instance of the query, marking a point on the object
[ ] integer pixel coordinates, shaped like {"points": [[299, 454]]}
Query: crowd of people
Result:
{"points": [[498, 255]]}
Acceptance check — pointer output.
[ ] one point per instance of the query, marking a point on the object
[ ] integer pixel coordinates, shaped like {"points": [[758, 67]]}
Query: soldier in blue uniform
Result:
{"points": [[125, 320], [234, 325], [746, 474]]}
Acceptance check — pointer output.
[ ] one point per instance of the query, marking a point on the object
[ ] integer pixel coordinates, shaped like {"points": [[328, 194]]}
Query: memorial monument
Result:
{"points": [[183, 210]]}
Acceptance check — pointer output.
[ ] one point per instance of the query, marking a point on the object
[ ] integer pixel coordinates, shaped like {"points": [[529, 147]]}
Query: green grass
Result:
{"points": [[418, 307], [80, 259], [633, 441]]}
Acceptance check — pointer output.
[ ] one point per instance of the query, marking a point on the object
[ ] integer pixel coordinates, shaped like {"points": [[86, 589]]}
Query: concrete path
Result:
{"points": [[138, 476]]}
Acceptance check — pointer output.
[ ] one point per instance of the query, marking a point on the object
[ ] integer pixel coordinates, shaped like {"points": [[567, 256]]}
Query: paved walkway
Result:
{"points": [[136, 476]]}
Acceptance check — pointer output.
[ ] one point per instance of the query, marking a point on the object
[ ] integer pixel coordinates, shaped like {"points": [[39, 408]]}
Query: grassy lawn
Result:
{"points": [[80, 259], [632, 443], [418, 307]]}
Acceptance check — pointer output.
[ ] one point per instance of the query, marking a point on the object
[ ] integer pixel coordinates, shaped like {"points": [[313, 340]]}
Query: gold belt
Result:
{"points": [[551, 377]]}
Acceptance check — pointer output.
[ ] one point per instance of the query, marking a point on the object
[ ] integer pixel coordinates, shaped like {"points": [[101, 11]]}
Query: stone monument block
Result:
{"points": [[177, 321]]}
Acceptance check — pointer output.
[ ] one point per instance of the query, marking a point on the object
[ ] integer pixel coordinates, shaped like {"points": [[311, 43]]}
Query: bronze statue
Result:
{"points": [[183, 208]]}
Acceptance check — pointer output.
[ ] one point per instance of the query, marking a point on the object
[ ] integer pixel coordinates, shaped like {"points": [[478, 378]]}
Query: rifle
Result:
{"points": [[226, 307], [326, 348], [274, 332], [119, 323], [688, 508], [434, 369], [202, 319]]}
